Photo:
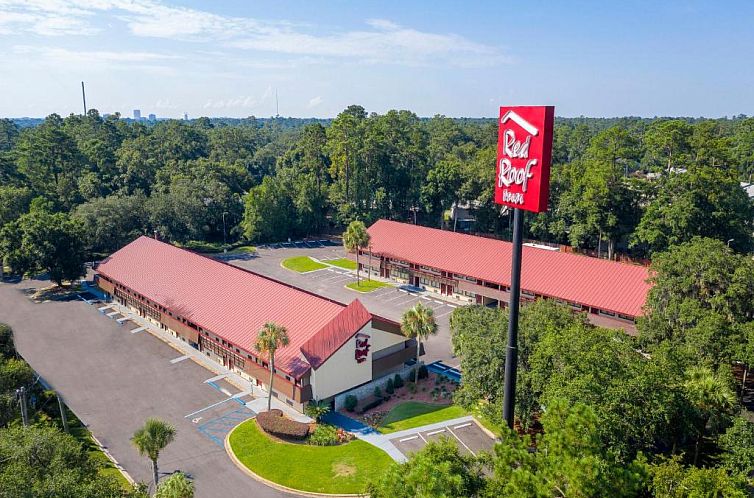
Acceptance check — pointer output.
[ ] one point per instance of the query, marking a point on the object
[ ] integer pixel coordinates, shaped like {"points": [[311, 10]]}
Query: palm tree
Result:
{"points": [[151, 439], [711, 396], [176, 486], [271, 337], [354, 238], [418, 323]]}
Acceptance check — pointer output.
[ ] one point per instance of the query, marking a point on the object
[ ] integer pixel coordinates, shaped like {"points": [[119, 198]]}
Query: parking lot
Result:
{"points": [[389, 302], [466, 434], [114, 376]]}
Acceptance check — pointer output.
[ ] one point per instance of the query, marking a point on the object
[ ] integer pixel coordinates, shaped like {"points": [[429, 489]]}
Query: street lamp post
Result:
{"points": [[729, 241]]}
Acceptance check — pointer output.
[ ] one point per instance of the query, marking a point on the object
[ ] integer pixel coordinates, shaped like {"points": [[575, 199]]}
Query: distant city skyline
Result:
{"points": [[229, 59]]}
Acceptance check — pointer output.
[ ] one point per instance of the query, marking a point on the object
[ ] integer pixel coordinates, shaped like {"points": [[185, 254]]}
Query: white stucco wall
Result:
{"points": [[341, 371]]}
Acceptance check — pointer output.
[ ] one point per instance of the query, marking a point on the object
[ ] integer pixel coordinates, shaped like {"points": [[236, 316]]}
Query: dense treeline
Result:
{"points": [[632, 185], [602, 413]]}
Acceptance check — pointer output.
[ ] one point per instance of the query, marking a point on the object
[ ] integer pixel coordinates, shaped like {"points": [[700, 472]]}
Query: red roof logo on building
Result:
{"points": [[362, 347]]}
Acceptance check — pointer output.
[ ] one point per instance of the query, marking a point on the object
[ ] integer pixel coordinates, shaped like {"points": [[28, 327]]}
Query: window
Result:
{"points": [[606, 313], [528, 294]]}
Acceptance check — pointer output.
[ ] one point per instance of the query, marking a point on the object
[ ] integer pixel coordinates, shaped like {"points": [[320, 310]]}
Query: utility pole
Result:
{"points": [[21, 394], [63, 415], [83, 95], [511, 353], [225, 242]]}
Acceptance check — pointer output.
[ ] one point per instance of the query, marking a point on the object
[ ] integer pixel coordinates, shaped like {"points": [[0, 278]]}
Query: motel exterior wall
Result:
{"points": [[388, 351], [470, 290]]}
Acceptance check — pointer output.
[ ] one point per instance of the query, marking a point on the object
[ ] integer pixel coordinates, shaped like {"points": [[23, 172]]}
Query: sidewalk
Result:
{"points": [[366, 434], [260, 395]]}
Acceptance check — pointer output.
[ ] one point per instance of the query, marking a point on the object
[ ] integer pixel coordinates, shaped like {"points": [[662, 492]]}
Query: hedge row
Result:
{"points": [[274, 423]]}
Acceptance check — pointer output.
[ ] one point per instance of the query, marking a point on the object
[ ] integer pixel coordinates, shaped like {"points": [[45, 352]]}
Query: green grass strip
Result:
{"points": [[413, 414], [367, 285], [321, 469], [344, 263], [302, 264]]}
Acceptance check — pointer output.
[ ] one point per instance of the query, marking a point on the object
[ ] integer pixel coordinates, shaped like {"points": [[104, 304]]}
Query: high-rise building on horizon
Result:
{"points": [[152, 117], [137, 114]]}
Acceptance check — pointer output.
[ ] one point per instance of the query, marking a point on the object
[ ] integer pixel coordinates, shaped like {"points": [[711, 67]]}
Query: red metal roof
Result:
{"points": [[228, 301], [607, 285], [335, 333]]}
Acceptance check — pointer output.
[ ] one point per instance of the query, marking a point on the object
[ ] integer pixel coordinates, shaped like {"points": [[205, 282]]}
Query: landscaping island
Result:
{"points": [[367, 285], [338, 469], [302, 264]]}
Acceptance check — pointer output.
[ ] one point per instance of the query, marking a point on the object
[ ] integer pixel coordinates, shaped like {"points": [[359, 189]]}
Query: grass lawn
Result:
{"points": [[106, 467], [320, 469], [415, 414], [344, 263], [367, 285], [302, 264], [244, 249]]}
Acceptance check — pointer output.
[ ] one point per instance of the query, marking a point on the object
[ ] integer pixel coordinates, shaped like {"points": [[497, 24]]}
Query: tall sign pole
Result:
{"points": [[522, 182]]}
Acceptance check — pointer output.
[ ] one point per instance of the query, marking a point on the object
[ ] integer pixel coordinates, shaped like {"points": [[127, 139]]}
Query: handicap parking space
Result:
{"points": [[470, 438]]}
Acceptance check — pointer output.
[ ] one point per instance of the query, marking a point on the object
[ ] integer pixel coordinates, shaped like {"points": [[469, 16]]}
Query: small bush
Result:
{"points": [[377, 392], [273, 422], [412, 388], [397, 381], [350, 402], [389, 387], [324, 435], [372, 404], [423, 372]]}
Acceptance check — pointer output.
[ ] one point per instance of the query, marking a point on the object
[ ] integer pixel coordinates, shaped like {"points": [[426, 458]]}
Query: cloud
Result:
{"points": [[380, 41], [314, 102], [92, 56]]}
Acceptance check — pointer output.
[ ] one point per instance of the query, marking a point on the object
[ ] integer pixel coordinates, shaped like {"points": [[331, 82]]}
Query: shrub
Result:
{"points": [[273, 422], [397, 381], [411, 387], [324, 435], [423, 372], [371, 404], [389, 387], [317, 410], [350, 402], [377, 392]]}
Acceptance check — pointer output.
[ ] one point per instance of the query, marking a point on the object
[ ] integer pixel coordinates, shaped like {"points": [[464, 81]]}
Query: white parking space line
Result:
{"points": [[226, 392], [207, 407], [420, 435], [439, 302], [241, 394], [399, 296], [461, 441], [410, 438], [451, 305], [110, 315], [462, 425], [103, 308], [438, 431], [216, 377], [138, 329], [121, 320], [444, 314], [427, 298], [180, 358]]}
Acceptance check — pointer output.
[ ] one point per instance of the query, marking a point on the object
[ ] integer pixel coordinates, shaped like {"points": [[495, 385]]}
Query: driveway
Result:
{"points": [[388, 302], [114, 378]]}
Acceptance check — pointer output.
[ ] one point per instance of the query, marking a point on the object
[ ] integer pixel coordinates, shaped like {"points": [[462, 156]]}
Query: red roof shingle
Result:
{"points": [[607, 285], [228, 301], [334, 334]]}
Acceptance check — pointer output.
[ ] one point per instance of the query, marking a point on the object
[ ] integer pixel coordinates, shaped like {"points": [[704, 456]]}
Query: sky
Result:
{"points": [[450, 57]]}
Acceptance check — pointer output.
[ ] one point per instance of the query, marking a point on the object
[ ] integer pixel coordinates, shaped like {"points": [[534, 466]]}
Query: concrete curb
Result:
{"points": [[272, 484]]}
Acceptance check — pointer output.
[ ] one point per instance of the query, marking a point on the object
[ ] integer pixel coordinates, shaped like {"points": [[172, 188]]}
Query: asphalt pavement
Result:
{"points": [[114, 379]]}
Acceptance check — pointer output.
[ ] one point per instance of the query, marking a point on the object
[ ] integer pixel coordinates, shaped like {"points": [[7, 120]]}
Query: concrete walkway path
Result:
{"points": [[365, 433]]}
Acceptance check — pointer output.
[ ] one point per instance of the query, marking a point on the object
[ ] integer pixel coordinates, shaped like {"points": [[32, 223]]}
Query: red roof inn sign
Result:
{"points": [[524, 150]]}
